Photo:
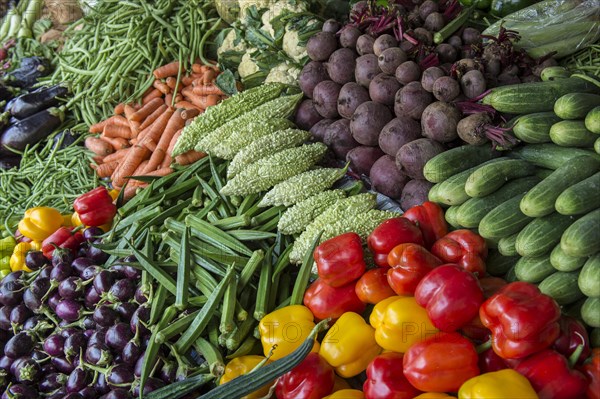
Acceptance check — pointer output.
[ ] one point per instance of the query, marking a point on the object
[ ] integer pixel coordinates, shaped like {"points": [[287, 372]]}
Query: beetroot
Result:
{"points": [[362, 158], [341, 64], [430, 75], [339, 138], [446, 89], [383, 43], [312, 74], [351, 96], [367, 67], [320, 46], [415, 193], [368, 120], [439, 120], [473, 83], [386, 178], [383, 88], [349, 36], [412, 157], [325, 98], [318, 130], [364, 44], [307, 115], [390, 59], [399, 131], [408, 72], [412, 100]]}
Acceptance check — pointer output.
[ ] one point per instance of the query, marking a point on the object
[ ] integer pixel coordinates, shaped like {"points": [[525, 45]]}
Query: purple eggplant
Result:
{"points": [[139, 318], [78, 380], [54, 345], [35, 260], [97, 336], [52, 382], [127, 271], [126, 310], [27, 370], [54, 300], [32, 302], [39, 356], [61, 271], [88, 323], [48, 368], [19, 345], [45, 272], [5, 363], [105, 316], [101, 386], [80, 264], [73, 395], [91, 233], [36, 101], [11, 293], [13, 276], [98, 355], [5, 317], [118, 336], [131, 353], [40, 286], [139, 365], [62, 255], [74, 344], [36, 322], [104, 280], [117, 393], [63, 365], [19, 314], [121, 291], [91, 298], [96, 254], [20, 391], [58, 394], [71, 288], [66, 332], [69, 310], [88, 393], [90, 271], [168, 371], [142, 294], [120, 375], [152, 384]]}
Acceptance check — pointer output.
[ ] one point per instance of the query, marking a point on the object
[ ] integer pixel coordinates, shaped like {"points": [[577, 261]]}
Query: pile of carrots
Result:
{"points": [[138, 139]]}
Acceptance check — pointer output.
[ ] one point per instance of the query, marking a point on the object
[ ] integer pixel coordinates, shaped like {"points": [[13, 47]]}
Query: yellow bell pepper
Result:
{"points": [[17, 259], [287, 328], [38, 223], [76, 221], [433, 395], [346, 394], [505, 383], [399, 323], [243, 365], [349, 345]]}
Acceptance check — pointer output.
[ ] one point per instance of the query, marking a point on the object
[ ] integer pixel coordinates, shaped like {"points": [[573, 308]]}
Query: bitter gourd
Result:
{"points": [[298, 217]]}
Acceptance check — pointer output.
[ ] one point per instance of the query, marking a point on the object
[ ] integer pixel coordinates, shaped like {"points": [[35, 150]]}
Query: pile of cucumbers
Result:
{"points": [[538, 206]]}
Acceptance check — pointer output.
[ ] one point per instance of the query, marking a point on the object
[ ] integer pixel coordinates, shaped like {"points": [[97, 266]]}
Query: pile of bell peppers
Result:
{"points": [[45, 229], [415, 316]]}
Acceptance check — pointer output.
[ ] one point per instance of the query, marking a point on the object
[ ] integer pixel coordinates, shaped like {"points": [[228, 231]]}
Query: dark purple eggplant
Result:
{"points": [[45, 272], [27, 370], [80, 264], [5, 317], [5, 363], [139, 318], [88, 323], [60, 272], [96, 254], [14, 276], [31, 301], [120, 375], [152, 384], [105, 316], [98, 355], [62, 255], [131, 353], [71, 288], [48, 368], [52, 382], [19, 345], [35, 322], [117, 393], [142, 293], [88, 393], [126, 310], [20, 391], [39, 356], [91, 297], [69, 310], [64, 139], [58, 394], [90, 271], [37, 100], [9, 162], [127, 271], [31, 130], [63, 365], [104, 280], [139, 365], [98, 336], [40, 286], [118, 336], [73, 395], [74, 344], [121, 291], [19, 314], [54, 300], [168, 371], [66, 332], [35, 260], [91, 233], [11, 293], [5, 93], [28, 72], [78, 379], [101, 386]]}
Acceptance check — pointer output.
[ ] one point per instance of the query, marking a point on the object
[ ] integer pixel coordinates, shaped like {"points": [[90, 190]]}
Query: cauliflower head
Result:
{"points": [[277, 8], [292, 46], [247, 66], [283, 73], [229, 43], [246, 4]]}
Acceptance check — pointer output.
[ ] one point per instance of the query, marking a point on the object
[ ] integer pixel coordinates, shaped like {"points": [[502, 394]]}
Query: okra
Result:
{"points": [[215, 236], [232, 222], [176, 327], [264, 287], [183, 272], [247, 203], [227, 312], [304, 273], [181, 388], [268, 215], [249, 346], [282, 263], [240, 334], [251, 235], [212, 355], [158, 304], [206, 281], [250, 268], [159, 274]]}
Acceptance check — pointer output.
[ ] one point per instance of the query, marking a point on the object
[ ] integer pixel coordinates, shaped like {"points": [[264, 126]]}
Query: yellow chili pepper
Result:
{"points": [[38, 223], [505, 383], [243, 365], [399, 323], [287, 328], [433, 395], [17, 259], [349, 345], [346, 394]]}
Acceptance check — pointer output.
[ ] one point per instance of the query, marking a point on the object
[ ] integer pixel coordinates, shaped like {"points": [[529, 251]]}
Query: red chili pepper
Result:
{"points": [[326, 301], [441, 363], [463, 247], [95, 207], [373, 286], [389, 234], [522, 319], [451, 295], [489, 361], [312, 379], [386, 380], [340, 260], [551, 376], [410, 263], [429, 217], [572, 335], [591, 370], [63, 238]]}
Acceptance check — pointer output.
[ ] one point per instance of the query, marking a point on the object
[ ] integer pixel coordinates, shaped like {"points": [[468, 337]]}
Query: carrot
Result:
{"points": [[206, 89], [139, 171], [106, 169], [197, 68], [118, 143], [161, 86], [146, 110], [117, 131], [135, 156], [98, 146], [119, 108], [174, 141], [128, 111], [190, 113], [209, 76], [153, 116], [185, 105], [155, 131], [188, 79], [150, 144], [118, 120], [171, 69], [175, 123], [169, 99], [155, 93], [178, 98], [186, 91], [98, 159], [189, 157], [131, 191], [171, 81], [166, 161], [116, 156], [98, 127], [160, 172], [135, 128], [205, 101]]}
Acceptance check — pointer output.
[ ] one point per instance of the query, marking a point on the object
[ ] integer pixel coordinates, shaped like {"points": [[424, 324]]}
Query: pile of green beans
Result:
{"points": [[586, 60], [217, 264], [110, 53], [47, 176]]}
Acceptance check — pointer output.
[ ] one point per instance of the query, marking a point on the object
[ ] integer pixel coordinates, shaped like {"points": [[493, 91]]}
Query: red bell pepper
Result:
{"points": [[95, 207], [389, 234], [373, 286], [66, 238], [491, 285], [441, 363], [551, 376], [312, 379], [451, 295], [326, 301], [429, 217], [476, 331], [522, 319], [591, 370], [463, 247], [489, 362], [572, 335], [386, 380], [340, 260], [410, 263]]}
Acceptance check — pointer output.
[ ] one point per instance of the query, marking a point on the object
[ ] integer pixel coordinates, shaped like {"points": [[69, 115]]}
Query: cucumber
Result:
{"points": [[579, 198], [590, 312], [489, 178], [576, 105], [456, 160], [589, 277], [592, 120], [597, 145], [504, 220], [535, 128], [510, 275], [582, 238], [506, 245], [497, 264], [541, 235], [572, 134], [565, 263], [451, 217], [554, 73], [550, 156], [540, 200], [533, 269], [475, 209], [433, 194], [563, 287], [542, 173], [452, 190], [526, 98]]}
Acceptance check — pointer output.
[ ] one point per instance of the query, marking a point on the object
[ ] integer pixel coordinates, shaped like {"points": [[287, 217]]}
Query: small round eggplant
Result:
{"points": [[69, 310], [96, 254], [19, 314], [35, 322], [168, 371], [74, 344], [5, 363], [11, 293], [127, 271], [35, 260], [117, 393], [61, 255], [66, 332], [105, 316], [52, 382], [5, 317], [88, 323], [91, 298], [61, 271], [14, 276], [142, 293], [104, 280], [152, 384], [98, 336], [45, 272], [126, 310], [78, 380], [118, 336], [20, 391], [54, 300], [88, 393], [71, 288], [39, 356], [139, 318], [120, 375], [32, 302], [63, 365], [139, 365], [90, 271], [121, 291], [19, 345], [58, 394], [40, 286], [92, 233], [48, 368], [101, 386], [54, 345], [131, 353], [27, 371], [98, 355], [80, 264]]}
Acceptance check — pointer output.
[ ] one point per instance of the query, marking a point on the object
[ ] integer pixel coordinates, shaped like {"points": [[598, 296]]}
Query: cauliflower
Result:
{"points": [[292, 46], [278, 8], [283, 73], [229, 43], [247, 66], [246, 4]]}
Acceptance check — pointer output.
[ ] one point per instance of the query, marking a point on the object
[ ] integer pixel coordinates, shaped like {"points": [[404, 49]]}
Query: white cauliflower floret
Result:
{"points": [[228, 43], [276, 9], [283, 73], [292, 47], [247, 66], [246, 4]]}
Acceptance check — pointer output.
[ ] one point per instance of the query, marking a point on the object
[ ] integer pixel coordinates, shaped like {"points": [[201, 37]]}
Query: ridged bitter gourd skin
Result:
{"points": [[298, 217]]}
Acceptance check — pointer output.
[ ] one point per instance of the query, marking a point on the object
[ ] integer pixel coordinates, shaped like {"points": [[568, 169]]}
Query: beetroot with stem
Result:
{"points": [[476, 129]]}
